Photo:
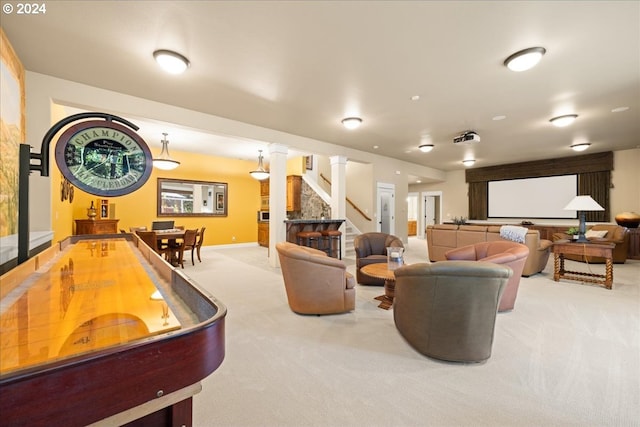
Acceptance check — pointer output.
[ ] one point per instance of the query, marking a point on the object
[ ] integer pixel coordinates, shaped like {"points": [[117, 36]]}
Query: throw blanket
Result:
{"points": [[514, 233]]}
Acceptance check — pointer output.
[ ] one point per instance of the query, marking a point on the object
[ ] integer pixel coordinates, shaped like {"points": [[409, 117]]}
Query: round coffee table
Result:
{"points": [[380, 271]]}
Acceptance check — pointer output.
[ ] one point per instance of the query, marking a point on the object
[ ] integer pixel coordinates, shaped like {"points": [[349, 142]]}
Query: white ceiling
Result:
{"points": [[301, 66]]}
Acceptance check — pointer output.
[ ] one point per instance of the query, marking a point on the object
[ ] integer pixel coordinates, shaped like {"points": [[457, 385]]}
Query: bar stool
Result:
{"points": [[332, 237], [306, 238]]}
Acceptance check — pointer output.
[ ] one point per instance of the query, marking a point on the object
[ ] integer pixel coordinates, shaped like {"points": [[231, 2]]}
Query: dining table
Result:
{"points": [[170, 238]]}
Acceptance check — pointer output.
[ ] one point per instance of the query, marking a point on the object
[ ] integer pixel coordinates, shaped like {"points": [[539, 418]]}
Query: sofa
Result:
{"points": [[444, 237], [447, 310], [371, 248], [315, 283], [615, 234], [503, 252]]}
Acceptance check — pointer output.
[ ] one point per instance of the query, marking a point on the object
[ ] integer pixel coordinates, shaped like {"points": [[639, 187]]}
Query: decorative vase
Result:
{"points": [[91, 211], [628, 219]]}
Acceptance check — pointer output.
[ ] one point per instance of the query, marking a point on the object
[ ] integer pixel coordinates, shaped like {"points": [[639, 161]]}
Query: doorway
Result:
{"points": [[386, 208], [431, 210]]}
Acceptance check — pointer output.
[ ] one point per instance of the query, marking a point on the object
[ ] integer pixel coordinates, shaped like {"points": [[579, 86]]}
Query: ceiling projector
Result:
{"points": [[466, 138]]}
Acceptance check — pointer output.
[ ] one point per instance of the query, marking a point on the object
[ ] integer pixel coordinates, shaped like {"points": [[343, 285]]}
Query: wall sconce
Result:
{"points": [[165, 162], [259, 174]]}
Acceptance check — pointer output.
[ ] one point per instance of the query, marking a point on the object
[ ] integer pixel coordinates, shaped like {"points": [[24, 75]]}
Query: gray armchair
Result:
{"points": [[371, 248], [447, 310]]}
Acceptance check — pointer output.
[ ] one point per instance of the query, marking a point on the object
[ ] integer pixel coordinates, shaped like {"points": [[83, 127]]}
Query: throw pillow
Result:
{"points": [[595, 233]]}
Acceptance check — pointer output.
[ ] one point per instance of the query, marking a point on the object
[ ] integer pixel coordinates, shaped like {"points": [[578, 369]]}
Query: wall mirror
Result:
{"points": [[180, 197]]}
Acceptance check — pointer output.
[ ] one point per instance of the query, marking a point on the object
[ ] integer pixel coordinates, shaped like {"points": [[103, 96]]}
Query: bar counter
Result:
{"points": [[296, 225]]}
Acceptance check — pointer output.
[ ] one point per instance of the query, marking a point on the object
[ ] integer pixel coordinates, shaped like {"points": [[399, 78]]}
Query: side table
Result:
{"points": [[565, 247], [380, 271]]}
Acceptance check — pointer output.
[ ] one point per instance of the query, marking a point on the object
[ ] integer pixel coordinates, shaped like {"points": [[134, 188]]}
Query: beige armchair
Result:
{"points": [[614, 234], [371, 248], [511, 254], [447, 310], [315, 283]]}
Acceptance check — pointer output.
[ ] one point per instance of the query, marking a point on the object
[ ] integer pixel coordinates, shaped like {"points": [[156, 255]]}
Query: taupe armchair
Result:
{"points": [[505, 252], [371, 248], [315, 283], [447, 310]]}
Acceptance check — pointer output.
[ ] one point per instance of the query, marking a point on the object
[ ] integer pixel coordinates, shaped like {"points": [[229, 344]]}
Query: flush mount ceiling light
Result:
{"points": [[171, 62], [425, 148], [352, 122], [580, 147], [259, 174], [562, 121], [165, 162], [524, 59], [468, 162]]}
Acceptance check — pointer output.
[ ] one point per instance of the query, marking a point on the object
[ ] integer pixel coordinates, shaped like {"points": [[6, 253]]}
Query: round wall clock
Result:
{"points": [[103, 158]]}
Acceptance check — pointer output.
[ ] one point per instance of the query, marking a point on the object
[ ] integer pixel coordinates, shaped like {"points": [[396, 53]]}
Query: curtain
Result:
{"points": [[596, 185]]}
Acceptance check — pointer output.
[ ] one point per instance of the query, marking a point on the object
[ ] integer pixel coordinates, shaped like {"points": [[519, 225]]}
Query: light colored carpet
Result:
{"points": [[568, 355]]}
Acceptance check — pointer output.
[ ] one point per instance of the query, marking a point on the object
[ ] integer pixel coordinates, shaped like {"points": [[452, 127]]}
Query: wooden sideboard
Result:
{"points": [[96, 226]]}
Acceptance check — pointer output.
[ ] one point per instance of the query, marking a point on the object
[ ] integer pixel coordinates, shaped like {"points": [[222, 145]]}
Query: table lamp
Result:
{"points": [[581, 204]]}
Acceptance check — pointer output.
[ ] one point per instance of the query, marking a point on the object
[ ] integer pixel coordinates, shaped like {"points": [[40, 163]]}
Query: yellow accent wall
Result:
{"points": [[139, 208]]}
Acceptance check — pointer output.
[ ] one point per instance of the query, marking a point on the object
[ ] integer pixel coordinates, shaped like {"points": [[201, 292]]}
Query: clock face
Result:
{"points": [[103, 158]]}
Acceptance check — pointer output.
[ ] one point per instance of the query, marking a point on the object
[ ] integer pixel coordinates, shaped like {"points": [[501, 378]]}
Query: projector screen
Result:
{"points": [[532, 197]]}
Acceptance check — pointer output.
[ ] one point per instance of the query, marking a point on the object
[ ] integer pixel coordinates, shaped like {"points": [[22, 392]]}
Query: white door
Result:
{"points": [[386, 208], [429, 210]]}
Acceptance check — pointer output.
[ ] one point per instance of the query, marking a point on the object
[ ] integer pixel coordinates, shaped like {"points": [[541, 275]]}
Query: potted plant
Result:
{"points": [[573, 233]]}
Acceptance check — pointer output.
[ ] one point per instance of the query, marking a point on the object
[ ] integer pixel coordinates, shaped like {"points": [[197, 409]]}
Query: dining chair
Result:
{"points": [[188, 243], [151, 239], [199, 243]]}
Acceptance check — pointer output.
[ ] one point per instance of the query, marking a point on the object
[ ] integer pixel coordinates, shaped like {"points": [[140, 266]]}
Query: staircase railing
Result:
{"points": [[353, 205]]}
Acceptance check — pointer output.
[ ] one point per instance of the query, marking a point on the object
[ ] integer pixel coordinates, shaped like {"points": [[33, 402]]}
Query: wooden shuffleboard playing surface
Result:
{"points": [[95, 294], [103, 331]]}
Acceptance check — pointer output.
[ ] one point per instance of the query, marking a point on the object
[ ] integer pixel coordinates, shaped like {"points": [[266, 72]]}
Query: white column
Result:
{"points": [[277, 199], [339, 192]]}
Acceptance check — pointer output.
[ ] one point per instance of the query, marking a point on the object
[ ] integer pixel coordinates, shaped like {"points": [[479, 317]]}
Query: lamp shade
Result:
{"points": [[583, 203], [164, 161], [260, 173]]}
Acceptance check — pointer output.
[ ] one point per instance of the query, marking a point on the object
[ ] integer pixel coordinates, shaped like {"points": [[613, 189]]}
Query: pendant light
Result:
{"points": [[259, 174], [165, 162]]}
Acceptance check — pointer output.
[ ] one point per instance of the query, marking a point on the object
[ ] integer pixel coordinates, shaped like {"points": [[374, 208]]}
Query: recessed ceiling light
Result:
{"points": [[525, 59], [418, 181], [497, 118], [170, 61], [375, 147], [562, 121], [352, 122], [398, 172], [425, 148], [619, 109], [415, 98], [580, 147], [468, 162]]}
